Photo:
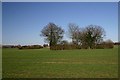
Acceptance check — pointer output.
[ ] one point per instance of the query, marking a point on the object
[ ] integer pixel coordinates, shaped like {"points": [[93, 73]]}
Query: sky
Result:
{"points": [[0, 23], [60, 0], [22, 22]]}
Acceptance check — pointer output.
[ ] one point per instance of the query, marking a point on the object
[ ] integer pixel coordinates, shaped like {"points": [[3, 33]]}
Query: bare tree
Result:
{"points": [[88, 37], [52, 33], [74, 32]]}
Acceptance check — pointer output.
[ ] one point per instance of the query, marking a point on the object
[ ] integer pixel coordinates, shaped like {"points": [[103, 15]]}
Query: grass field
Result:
{"points": [[43, 63], [0, 63]]}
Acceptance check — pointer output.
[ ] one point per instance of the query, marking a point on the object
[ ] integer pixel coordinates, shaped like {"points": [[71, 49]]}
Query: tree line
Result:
{"points": [[23, 47], [89, 37]]}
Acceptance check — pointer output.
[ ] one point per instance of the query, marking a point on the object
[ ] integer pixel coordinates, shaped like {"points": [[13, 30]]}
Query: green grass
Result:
{"points": [[44, 63], [0, 63]]}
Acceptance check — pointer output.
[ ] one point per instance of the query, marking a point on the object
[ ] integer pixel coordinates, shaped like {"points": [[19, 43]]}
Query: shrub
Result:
{"points": [[30, 47], [65, 47], [84, 46], [109, 44], [106, 44], [99, 46]]}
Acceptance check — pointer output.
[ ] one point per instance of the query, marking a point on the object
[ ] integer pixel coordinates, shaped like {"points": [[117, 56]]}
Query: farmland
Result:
{"points": [[45, 63]]}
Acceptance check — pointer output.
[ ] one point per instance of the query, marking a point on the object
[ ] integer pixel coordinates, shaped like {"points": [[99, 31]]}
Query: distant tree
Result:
{"points": [[64, 42], [45, 45], [18, 46], [74, 32], [92, 35], [52, 33]]}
